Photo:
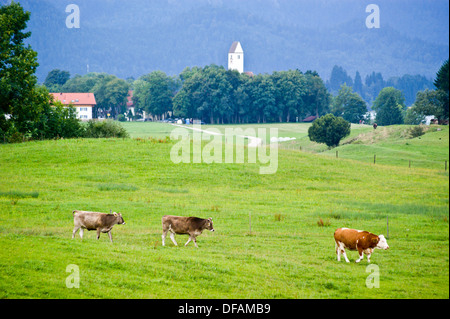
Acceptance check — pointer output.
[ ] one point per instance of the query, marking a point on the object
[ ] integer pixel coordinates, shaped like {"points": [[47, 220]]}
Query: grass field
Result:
{"points": [[391, 145], [287, 254]]}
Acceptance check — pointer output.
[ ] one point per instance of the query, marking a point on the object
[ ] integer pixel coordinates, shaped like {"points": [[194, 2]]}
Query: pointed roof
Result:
{"points": [[236, 48]]}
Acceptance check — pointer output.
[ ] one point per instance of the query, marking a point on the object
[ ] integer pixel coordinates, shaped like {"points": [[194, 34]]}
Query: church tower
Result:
{"points": [[236, 57]]}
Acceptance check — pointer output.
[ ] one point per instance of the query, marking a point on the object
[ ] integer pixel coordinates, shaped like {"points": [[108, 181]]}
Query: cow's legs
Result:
{"points": [[368, 252], [341, 250], [361, 256], [164, 234], [193, 239], [75, 229], [338, 251], [81, 232], [110, 236], [172, 236], [345, 256], [98, 233]]}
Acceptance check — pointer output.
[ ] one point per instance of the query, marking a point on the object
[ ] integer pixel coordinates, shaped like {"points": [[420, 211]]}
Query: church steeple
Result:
{"points": [[236, 57]]}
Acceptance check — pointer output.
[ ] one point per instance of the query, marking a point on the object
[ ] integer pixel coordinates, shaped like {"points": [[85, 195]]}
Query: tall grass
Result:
{"points": [[19, 194]]}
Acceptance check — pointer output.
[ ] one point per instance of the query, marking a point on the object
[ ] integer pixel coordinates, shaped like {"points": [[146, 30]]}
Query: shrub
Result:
{"points": [[57, 121], [416, 131], [16, 137], [103, 129], [329, 130]]}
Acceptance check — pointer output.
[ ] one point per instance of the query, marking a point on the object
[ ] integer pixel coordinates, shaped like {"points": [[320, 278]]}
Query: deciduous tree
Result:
{"points": [[350, 106], [18, 63]]}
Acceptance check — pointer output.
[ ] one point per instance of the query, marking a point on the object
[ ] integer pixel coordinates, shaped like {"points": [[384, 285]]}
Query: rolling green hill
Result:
{"points": [[289, 252], [394, 145]]}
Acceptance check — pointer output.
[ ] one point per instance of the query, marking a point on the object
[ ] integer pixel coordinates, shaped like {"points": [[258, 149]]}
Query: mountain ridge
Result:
{"points": [[135, 37]]}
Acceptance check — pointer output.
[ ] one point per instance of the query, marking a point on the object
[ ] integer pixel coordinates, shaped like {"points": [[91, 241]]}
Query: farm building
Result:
{"points": [[82, 102]]}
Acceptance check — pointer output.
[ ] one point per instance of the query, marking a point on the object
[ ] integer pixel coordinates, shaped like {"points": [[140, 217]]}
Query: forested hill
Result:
{"points": [[135, 37]]}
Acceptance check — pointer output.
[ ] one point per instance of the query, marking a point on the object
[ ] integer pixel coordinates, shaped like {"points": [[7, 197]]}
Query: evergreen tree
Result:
{"points": [[357, 84], [442, 85], [329, 130], [389, 106], [442, 78], [338, 77]]}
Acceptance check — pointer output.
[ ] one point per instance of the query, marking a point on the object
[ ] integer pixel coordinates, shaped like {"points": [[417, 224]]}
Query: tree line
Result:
{"points": [[216, 95], [211, 94], [374, 83]]}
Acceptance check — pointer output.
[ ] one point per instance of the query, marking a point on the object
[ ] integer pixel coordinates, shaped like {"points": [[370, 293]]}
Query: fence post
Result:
{"points": [[387, 227], [374, 158], [409, 163], [337, 154]]}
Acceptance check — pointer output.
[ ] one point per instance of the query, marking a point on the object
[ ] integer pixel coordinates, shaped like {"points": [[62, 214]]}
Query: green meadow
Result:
{"points": [[273, 233]]}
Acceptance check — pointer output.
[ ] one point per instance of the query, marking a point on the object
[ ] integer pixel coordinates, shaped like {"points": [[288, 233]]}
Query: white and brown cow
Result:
{"points": [[362, 241], [192, 226], [100, 222]]}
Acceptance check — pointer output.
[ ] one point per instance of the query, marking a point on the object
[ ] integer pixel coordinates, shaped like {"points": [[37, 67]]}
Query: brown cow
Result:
{"points": [[95, 221], [192, 226], [362, 241]]}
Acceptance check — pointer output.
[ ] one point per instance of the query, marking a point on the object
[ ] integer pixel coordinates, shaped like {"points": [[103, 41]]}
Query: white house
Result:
{"points": [[82, 102], [236, 57]]}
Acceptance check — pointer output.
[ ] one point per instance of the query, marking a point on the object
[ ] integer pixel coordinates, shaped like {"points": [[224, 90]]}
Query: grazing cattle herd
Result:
{"points": [[362, 241]]}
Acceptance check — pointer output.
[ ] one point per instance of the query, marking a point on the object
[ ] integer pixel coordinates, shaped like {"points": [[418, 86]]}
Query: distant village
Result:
{"points": [[84, 103]]}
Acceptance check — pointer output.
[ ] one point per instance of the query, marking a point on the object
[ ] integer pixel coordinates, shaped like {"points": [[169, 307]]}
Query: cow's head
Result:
{"points": [[119, 218], [209, 224], [382, 243]]}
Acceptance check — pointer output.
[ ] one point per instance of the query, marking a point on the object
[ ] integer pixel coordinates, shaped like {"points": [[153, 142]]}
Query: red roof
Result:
{"points": [[130, 99], [310, 118], [87, 99]]}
